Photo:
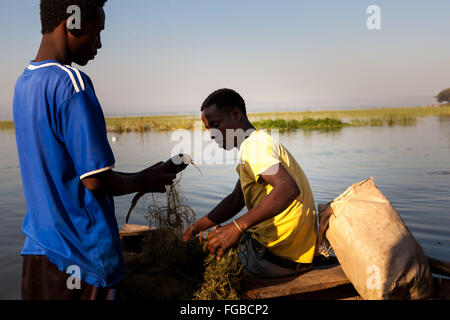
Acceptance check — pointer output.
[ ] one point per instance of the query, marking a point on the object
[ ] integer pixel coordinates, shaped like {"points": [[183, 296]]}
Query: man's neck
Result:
{"points": [[248, 128], [53, 47]]}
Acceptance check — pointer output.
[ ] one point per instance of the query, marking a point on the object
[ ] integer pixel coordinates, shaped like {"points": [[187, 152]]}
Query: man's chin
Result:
{"points": [[83, 62]]}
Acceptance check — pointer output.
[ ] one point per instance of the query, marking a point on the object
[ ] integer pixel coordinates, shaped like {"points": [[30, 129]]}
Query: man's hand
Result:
{"points": [[201, 225], [223, 238], [154, 178], [190, 233]]}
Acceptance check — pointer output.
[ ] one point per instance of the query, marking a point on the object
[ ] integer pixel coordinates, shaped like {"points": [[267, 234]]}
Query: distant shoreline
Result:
{"points": [[323, 119]]}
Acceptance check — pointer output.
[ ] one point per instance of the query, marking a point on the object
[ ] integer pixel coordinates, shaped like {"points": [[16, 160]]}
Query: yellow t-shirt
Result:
{"points": [[292, 233]]}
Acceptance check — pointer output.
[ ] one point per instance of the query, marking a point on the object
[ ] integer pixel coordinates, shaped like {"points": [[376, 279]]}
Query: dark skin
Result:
{"points": [[65, 47], [285, 190]]}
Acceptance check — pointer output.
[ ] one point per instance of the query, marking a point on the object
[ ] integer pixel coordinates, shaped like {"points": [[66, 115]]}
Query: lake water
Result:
{"points": [[411, 166]]}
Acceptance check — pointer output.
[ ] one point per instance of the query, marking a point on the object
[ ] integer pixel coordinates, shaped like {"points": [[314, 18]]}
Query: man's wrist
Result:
{"points": [[194, 229], [137, 182], [238, 226], [243, 226]]}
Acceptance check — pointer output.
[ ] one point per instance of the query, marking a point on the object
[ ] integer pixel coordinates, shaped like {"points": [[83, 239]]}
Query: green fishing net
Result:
{"points": [[160, 265]]}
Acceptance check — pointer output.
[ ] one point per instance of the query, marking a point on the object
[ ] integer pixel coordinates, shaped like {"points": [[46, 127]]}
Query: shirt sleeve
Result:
{"points": [[258, 156], [83, 131]]}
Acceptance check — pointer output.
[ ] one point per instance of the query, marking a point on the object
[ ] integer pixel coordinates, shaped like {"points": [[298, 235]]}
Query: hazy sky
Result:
{"points": [[167, 56]]}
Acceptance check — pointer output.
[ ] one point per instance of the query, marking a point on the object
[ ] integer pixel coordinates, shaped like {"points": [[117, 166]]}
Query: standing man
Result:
{"points": [[66, 164]]}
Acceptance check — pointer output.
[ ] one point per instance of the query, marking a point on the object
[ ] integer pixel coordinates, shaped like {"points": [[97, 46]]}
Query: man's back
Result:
{"points": [[61, 138]]}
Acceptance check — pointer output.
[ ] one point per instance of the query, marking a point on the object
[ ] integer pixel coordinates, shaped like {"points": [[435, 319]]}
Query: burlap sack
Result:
{"points": [[377, 252]]}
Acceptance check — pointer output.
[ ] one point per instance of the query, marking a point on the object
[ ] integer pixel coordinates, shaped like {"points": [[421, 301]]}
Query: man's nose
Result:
{"points": [[99, 43]]}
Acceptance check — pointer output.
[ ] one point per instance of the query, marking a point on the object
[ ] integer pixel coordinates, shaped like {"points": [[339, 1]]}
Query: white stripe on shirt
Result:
{"points": [[72, 78], [87, 174], [80, 79]]}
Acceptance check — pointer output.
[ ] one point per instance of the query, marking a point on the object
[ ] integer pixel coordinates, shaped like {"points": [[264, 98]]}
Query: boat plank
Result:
{"points": [[442, 287], [135, 230], [439, 267], [310, 281]]}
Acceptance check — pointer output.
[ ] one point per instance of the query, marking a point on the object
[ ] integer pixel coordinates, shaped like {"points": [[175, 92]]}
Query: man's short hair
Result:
{"points": [[225, 99], [53, 12]]}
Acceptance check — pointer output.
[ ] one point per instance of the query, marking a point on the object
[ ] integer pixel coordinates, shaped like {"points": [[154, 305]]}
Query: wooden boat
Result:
{"points": [[329, 282], [325, 281]]}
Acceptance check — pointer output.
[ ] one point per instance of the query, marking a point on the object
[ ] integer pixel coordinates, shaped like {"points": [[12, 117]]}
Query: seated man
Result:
{"points": [[278, 233]]}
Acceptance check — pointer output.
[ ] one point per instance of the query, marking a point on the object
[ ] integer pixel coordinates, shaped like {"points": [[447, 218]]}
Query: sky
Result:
{"points": [[164, 56]]}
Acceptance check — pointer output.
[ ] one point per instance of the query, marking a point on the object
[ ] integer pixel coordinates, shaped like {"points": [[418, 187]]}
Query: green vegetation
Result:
{"points": [[374, 113], [327, 123], [336, 119], [6, 125], [386, 121], [327, 119], [142, 124], [307, 123]]}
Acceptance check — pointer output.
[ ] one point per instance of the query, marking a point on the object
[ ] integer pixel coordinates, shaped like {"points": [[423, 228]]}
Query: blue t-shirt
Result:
{"points": [[61, 138]]}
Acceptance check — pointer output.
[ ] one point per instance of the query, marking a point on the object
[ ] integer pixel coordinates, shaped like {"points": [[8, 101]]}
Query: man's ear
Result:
{"points": [[72, 29], [73, 22], [236, 113]]}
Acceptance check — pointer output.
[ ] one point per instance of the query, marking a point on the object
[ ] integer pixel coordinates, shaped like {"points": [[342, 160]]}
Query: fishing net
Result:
{"points": [[162, 266], [221, 278]]}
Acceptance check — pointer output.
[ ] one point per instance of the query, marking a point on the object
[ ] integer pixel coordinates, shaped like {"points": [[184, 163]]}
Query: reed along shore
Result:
{"points": [[324, 119]]}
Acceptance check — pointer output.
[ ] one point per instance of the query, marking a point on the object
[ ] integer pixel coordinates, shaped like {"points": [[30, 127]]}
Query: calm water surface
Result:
{"points": [[411, 166]]}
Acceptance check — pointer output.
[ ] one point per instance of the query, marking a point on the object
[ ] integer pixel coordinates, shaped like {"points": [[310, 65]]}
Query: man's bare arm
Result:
{"points": [[226, 209], [152, 179]]}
